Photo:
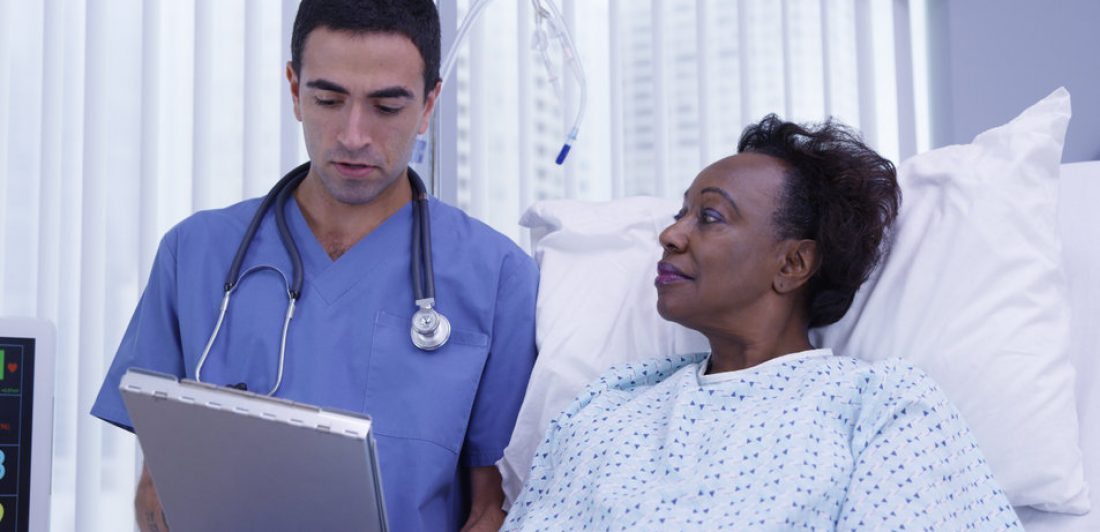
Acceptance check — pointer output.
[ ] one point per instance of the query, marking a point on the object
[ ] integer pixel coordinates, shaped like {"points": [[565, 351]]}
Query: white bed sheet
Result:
{"points": [[1079, 223]]}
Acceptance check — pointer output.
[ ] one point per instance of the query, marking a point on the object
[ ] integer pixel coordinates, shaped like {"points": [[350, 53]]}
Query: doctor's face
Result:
{"points": [[360, 98], [722, 253]]}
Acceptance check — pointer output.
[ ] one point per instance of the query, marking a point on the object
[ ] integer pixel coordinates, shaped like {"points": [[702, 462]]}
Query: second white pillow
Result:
{"points": [[973, 293]]}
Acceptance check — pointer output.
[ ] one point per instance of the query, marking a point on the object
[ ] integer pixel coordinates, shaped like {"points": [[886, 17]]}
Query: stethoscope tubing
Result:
{"points": [[288, 181], [297, 270], [423, 276]]}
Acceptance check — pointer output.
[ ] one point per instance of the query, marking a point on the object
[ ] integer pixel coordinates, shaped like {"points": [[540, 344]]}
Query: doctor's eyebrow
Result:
{"points": [[396, 91], [725, 195], [326, 85], [391, 92]]}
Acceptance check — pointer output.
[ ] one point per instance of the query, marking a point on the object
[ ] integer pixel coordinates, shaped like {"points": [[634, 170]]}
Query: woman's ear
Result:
{"points": [[800, 262]]}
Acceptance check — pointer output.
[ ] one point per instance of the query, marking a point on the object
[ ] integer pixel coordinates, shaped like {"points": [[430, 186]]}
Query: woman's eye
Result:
{"points": [[709, 216]]}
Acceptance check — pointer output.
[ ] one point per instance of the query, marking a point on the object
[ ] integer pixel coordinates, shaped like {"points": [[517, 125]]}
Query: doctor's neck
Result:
{"points": [[341, 214]]}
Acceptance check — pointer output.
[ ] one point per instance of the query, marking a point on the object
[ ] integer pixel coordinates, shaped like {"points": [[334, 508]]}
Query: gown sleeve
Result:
{"points": [[151, 340], [917, 466], [508, 367]]}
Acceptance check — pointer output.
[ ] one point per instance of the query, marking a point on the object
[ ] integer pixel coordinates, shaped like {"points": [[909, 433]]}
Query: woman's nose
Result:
{"points": [[673, 239]]}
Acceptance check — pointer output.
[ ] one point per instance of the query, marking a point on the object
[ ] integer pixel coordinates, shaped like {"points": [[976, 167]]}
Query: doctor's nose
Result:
{"points": [[355, 130]]}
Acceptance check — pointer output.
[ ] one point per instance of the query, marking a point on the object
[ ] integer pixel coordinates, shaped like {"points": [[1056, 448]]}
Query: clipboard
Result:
{"points": [[226, 459]]}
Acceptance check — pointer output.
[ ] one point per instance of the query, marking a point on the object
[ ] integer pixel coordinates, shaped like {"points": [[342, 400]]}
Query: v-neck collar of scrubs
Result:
{"points": [[331, 279]]}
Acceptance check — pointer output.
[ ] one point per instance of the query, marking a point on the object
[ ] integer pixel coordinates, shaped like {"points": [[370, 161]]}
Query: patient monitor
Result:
{"points": [[26, 423]]}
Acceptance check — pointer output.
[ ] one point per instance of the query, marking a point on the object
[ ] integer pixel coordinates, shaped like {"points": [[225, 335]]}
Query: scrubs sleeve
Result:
{"points": [[511, 358], [152, 339]]}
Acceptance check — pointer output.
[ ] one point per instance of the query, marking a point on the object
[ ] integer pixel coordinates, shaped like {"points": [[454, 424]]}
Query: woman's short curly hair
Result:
{"points": [[839, 193]]}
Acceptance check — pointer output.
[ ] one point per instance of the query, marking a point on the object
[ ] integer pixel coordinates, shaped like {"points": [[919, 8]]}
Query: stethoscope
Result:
{"points": [[430, 329]]}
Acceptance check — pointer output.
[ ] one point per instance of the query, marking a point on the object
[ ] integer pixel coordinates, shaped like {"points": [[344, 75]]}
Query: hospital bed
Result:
{"points": [[587, 322], [1079, 226]]}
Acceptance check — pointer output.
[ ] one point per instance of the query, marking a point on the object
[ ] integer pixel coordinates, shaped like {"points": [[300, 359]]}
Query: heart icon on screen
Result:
{"points": [[12, 366]]}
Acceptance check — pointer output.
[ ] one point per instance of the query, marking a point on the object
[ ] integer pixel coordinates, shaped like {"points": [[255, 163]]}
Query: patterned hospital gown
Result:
{"points": [[807, 441]]}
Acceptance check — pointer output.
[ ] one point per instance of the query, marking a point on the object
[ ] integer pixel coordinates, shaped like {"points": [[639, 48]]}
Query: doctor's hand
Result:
{"points": [[150, 516], [486, 499]]}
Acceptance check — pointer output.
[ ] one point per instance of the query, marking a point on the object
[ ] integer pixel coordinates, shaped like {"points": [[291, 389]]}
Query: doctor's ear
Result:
{"points": [[292, 80], [429, 106], [800, 262]]}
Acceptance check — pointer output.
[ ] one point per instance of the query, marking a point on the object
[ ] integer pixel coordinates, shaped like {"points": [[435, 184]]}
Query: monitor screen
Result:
{"points": [[16, 414], [26, 423]]}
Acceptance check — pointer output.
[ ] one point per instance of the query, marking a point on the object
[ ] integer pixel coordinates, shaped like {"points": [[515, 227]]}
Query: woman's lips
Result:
{"points": [[668, 274]]}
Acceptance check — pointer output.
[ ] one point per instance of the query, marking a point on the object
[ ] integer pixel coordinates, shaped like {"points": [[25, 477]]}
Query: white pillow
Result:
{"points": [[972, 293], [596, 307]]}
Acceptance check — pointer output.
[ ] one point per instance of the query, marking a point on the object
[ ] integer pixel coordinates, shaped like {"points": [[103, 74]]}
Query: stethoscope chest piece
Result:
{"points": [[430, 329]]}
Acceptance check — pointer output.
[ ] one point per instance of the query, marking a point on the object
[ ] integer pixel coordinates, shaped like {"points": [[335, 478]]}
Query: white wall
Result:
{"points": [[992, 58]]}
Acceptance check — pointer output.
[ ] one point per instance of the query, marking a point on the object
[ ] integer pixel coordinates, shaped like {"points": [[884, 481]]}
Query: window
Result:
{"points": [[671, 84]]}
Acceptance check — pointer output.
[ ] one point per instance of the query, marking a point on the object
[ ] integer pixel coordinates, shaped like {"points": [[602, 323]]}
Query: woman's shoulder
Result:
{"points": [[881, 388], [899, 379], [886, 395], [651, 371], [895, 391], [893, 374], [632, 378], [819, 366]]}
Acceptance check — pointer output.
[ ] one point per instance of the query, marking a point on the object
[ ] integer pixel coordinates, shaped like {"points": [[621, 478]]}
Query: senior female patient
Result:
{"points": [[766, 432]]}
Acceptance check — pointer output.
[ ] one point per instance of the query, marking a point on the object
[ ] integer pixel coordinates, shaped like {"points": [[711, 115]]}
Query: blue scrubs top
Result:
{"points": [[348, 345]]}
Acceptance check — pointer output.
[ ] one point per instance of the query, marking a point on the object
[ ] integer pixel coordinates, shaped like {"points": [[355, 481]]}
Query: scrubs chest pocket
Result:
{"points": [[423, 395]]}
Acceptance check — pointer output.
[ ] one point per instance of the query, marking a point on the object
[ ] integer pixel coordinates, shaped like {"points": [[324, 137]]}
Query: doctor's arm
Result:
{"points": [[486, 500], [147, 509], [503, 383], [151, 341]]}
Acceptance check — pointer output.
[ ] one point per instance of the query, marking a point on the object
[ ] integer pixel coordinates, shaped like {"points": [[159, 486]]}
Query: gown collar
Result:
{"points": [[713, 378]]}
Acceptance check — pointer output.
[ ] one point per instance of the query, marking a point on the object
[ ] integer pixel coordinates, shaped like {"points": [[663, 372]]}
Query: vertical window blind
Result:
{"points": [[118, 118], [671, 84]]}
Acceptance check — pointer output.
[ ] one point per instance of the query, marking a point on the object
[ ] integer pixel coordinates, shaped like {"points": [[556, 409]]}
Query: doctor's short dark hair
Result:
{"points": [[839, 193], [416, 19]]}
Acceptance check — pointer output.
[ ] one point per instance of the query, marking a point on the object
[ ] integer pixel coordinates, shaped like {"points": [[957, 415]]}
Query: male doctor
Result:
{"points": [[364, 77]]}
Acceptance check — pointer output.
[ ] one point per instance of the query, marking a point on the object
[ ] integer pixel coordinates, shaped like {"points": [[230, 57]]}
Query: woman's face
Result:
{"points": [[721, 255]]}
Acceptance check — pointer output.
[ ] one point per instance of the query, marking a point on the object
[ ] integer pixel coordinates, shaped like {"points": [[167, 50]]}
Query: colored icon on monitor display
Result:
{"points": [[1, 512], [2, 374], [3, 466]]}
